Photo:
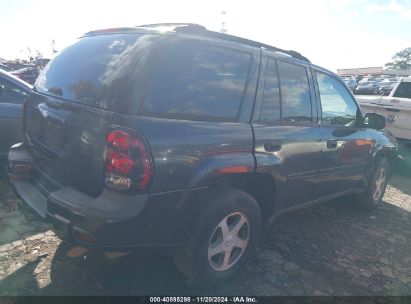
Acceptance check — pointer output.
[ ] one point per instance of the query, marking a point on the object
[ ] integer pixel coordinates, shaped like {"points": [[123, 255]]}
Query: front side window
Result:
{"points": [[295, 93], [197, 81], [11, 93], [338, 107], [403, 90]]}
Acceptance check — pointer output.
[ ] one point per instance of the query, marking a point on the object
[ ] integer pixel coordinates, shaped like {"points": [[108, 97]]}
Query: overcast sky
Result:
{"points": [[333, 34]]}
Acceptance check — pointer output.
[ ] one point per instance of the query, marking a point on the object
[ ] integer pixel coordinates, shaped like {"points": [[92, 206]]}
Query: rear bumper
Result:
{"points": [[110, 222]]}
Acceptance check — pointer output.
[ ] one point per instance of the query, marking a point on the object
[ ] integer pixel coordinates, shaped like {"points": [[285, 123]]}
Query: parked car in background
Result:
{"points": [[367, 86], [350, 82], [13, 93], [396, 108], [5, 68], [358, 78], [28, 74], [189, 142], [387, 85]]}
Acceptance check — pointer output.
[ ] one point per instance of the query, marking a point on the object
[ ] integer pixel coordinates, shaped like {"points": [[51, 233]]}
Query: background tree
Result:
{"points": [[401, 60], [34, 56], [53, 47]]}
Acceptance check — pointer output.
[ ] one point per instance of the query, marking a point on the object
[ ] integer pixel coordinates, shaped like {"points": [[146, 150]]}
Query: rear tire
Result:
{"points": [[225, 236], [372, 197]]}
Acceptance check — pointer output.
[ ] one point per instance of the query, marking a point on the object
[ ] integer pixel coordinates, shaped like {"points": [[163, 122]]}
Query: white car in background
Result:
{"points": [[396, 108], [350, 82]]}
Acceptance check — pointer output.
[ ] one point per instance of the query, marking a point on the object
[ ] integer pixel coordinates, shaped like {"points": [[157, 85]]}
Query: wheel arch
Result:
{"points": [[260, 186], [390, 154], [235, 170]]}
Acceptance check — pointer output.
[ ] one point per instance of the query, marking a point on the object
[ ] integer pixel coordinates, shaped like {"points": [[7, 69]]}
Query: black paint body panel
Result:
{"points": [[66, 139]]}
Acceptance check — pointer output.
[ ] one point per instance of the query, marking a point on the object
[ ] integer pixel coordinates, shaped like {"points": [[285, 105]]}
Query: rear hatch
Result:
{"points": [[69, 113], [67, 141]]}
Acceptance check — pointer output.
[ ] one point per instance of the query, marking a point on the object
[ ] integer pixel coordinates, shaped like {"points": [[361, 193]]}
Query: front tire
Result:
{"points": [[372, 197], [225, 236]]}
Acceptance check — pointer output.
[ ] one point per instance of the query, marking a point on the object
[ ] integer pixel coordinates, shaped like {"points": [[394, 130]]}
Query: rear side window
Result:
{"points": [[198, 81], [403, 90], [270, 108], [295, 92]]}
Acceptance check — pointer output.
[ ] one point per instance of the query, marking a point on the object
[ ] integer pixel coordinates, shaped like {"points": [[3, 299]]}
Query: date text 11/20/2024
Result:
{"points": [[203, 300]]}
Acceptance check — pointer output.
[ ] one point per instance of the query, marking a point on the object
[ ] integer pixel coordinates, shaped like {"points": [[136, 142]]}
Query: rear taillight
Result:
{"points": [[128, 164]]}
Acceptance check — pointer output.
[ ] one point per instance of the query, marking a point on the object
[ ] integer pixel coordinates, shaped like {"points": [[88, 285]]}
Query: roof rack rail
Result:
{"points": [[175, 25], [109, 30], [201, 30], [291, 53]]}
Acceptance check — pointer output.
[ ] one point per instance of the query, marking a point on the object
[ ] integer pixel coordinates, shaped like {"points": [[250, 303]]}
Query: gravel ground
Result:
{"points": [[330, 249]]}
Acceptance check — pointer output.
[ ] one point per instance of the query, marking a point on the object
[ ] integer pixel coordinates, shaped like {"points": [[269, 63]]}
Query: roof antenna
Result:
{"points": [[223, 29], [378, 104]]}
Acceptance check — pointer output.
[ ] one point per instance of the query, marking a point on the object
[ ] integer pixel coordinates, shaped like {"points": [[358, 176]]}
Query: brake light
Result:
{"points": [[128, 164], [120, 140], [119, 163]]}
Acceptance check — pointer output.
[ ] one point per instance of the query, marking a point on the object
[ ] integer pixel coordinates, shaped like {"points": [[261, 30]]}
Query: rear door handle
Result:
{"points": [[331, 144], [272, 146]]}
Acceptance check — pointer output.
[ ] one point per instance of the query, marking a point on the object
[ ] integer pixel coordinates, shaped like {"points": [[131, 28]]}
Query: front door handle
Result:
{"points": [[272, 146], [331, 144]]}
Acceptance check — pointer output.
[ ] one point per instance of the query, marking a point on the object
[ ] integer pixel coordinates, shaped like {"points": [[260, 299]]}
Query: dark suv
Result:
{"points": [[185, 141]]}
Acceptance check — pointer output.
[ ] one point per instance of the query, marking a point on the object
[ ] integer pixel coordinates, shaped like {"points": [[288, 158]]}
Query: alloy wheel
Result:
{"points": [[229, 241], [379, 184]]}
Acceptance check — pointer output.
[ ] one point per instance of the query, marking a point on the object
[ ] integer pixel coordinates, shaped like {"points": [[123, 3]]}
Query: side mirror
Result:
{"points": [[375, 121]]}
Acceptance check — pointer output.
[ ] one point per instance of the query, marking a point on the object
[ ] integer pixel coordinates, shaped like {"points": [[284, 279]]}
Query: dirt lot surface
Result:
{"points": [[330, 249]]}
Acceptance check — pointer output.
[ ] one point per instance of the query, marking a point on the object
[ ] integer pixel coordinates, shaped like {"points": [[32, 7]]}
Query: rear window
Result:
{"points": [[197, 81], [95, 70]]}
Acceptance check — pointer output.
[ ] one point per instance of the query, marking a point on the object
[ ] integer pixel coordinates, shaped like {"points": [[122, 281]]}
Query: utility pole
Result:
{"points": [[223, 28]]}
